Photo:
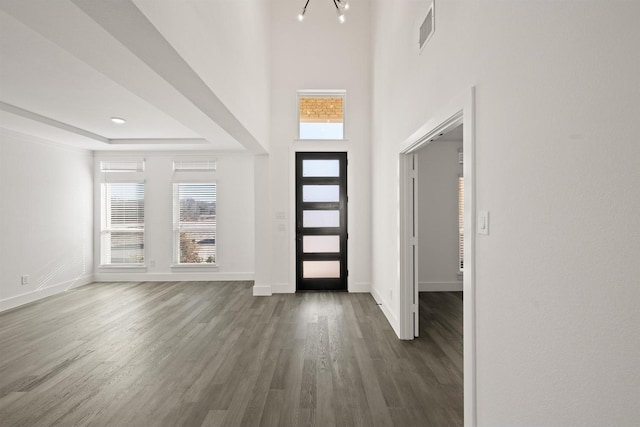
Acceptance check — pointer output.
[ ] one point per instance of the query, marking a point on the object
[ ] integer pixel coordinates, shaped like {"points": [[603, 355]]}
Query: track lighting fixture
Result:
{"points": [[304, 10], [341, 7]]}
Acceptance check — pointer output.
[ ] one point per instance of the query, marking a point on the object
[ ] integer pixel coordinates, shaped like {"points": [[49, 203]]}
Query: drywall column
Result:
{"points": [[262, 262]]}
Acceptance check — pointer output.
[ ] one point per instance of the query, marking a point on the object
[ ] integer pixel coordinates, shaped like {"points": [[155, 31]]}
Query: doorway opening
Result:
{"points": [[321, 221], [440, 213], [462, 121]]}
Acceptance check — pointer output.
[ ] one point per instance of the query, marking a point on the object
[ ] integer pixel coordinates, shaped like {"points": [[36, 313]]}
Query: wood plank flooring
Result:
{"points": [[210, 354]]}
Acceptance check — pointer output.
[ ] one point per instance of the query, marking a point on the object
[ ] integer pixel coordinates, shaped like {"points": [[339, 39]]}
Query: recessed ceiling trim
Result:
{"points": [[70, 28], [51, 122], [120, 18]]}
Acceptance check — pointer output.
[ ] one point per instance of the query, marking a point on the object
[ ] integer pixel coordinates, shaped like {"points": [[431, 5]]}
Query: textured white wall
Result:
{"points": [[438, 171], [557, 167], [235, 220], [319, 53], [46, 217]]}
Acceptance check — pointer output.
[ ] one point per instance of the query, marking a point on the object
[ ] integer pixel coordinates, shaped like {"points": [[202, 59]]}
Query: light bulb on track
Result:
{"points": [[304, 10], [341, 7]]}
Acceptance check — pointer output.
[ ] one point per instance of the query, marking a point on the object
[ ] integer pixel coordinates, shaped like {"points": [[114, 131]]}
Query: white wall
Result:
{"points": [[234, 215], [556, 133], [46, 218], [438, 172], [318, 53], [226, 42]]}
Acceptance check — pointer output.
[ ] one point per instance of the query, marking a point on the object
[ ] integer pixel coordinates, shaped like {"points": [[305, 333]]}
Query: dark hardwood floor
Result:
{"points": [[210, 354]]}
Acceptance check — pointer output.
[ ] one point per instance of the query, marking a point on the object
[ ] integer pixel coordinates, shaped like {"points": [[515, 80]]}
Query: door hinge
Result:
{"points": [[412, 241]]}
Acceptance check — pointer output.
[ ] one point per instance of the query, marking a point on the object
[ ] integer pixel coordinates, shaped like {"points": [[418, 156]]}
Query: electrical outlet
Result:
{"points": [[152, 263], [24, 280]]}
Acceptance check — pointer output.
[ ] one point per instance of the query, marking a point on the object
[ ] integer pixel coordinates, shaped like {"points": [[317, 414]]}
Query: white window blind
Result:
{"points": [[194, 165], [122, 223], [194, 223], [461, 223], [122, 165]]}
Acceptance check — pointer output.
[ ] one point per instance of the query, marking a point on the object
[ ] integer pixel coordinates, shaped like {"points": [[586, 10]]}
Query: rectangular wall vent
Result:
{"points": [[427, 28]]}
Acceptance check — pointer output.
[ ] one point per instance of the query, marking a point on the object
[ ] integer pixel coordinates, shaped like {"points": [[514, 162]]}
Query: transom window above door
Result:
{"points": [[321, 115]]}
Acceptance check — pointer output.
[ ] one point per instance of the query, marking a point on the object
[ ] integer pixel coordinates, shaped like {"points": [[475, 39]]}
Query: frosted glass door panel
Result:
{"points": [[321, 221], [321, 168], [321, 269], [320, 244], [320, 193], [313, 219]]}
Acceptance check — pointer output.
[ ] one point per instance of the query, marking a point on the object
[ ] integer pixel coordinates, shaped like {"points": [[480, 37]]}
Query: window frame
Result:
{"points": [[114, 177], [322, 93], [187, 177]]}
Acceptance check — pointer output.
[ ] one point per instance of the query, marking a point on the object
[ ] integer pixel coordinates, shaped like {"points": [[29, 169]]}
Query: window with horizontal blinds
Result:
{"points": [[194, 223], [122, 223], [461, 223]]}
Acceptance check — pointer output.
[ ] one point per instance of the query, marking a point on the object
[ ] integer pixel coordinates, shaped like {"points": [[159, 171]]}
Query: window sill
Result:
{"points": [[212, 267]]}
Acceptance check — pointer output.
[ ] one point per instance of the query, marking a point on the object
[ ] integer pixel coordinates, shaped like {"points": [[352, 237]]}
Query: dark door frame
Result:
{"points": [[319, 284]]}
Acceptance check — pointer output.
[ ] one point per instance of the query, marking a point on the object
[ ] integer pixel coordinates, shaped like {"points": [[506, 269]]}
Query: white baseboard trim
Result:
{"points": [[359, 287], [286, 288], [196, 276], [262, 291], [384, 306], [283, 288], [440, 286], [31, 296]]}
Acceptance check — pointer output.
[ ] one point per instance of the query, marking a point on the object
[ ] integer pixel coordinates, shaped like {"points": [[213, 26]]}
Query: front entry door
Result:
{"points": [[321, 221]]}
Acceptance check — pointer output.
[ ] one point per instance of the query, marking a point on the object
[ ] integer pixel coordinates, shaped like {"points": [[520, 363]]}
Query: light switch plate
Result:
{"points": [[483, 222]]}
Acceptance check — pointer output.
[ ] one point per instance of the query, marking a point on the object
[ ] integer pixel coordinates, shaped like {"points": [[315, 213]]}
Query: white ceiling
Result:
{"points": [[66, 69]]}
